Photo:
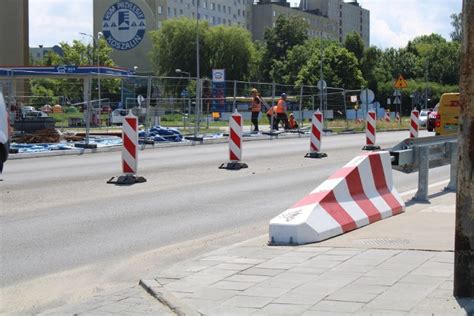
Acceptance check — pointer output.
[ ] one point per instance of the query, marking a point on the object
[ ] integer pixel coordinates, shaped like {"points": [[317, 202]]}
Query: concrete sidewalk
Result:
{"points": [[399, 266]]}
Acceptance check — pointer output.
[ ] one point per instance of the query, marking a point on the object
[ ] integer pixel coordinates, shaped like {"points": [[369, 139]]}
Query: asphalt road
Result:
{"points": [[64, 229]]}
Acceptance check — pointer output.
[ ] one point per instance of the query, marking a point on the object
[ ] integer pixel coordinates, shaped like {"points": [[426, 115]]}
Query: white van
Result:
{"points": [[4, 132]]}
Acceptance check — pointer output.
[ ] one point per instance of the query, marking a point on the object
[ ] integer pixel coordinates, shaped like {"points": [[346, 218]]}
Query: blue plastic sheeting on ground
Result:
{"points": [[106, 141], [162, 134], [36, 148]]}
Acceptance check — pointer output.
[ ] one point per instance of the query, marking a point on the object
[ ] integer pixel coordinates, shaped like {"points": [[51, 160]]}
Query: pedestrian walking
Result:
{"points": [[281, 111], [256, 108]]}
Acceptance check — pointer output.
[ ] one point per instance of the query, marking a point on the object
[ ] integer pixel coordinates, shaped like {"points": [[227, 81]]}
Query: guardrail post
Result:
{"points": [[422, 155], [453, 175]]}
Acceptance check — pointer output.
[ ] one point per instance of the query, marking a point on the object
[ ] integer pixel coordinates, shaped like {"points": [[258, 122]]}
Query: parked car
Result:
{"points": [[423, 119], [433, 119], [4, 132], [35, 114]]}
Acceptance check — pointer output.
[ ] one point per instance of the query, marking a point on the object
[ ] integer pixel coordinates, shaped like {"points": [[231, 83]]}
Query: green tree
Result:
{"points": [[456, 23], [355, 45], [78, 54], [302, 66], [230, 48], [174, 47], [289, 31]]}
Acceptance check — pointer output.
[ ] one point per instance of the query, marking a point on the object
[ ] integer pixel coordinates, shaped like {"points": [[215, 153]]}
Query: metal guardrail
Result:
{"points": [[421, 154]]}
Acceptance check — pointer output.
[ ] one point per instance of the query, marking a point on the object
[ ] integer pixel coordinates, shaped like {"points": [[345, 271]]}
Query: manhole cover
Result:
{"points": [[383, 242]]}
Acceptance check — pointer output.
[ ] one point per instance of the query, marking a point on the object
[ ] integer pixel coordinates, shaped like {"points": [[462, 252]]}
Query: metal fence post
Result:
{"points": [[301, 111], [147, 115], [422, 156], [196, 109], [234, 104], [87, 101], [272, 105], [453, 175]]}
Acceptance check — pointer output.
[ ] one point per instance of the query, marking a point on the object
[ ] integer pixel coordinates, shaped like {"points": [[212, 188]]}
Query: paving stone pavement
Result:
{"points": [[130, 301], [308, 280]]}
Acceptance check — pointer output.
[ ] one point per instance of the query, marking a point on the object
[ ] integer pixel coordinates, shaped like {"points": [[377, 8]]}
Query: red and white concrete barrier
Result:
{"points": [[414, 123], [356, 195], [130, 144], [315, 138], [370, 131]]}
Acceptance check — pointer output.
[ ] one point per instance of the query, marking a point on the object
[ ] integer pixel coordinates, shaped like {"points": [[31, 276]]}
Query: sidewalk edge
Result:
{"points": [[155, 289]]}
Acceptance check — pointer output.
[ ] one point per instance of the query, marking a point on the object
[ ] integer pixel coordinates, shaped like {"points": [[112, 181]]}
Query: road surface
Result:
{"points": [[67, 235]]}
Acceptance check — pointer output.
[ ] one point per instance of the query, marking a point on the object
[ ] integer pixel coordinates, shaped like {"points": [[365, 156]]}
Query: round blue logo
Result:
{"points": [[123, 25]]}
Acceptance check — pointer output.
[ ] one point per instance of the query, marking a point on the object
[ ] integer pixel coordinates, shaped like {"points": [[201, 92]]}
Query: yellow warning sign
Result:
{"points": [[401, 83]]}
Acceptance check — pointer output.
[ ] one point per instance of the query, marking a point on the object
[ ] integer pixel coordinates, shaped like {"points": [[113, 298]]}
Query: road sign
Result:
{"points": [[367, 96], [322, 84], [353, 98], [400, 83], [397, 100], [389, 101], [396, 93]]}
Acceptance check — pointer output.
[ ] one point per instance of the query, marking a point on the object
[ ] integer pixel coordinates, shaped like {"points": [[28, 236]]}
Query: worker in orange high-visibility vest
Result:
{"points": [[292, 124], [281, 111], [271, 113], [256, 108]]}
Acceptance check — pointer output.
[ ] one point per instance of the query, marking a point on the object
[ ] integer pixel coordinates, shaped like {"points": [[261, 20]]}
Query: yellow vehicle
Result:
{"points": [[448, 114]]}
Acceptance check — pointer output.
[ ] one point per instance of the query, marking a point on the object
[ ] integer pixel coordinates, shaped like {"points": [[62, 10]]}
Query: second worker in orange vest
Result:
{"points": [[281, 112], [256, 107], [292, 124]]}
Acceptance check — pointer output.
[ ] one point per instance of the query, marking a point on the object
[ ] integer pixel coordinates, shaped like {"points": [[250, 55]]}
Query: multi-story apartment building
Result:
{"points": [[266, 12], [349, 16], [126, 24]]}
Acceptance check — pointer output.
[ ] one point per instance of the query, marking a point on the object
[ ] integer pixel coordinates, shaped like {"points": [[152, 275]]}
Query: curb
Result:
{"points": [[79, 152], [155, 289]]}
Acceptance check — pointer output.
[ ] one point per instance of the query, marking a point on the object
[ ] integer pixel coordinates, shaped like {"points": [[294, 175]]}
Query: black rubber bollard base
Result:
{"points": [[85, 146], [315, 155], [233, 165], [371, 147], [127, 179]]}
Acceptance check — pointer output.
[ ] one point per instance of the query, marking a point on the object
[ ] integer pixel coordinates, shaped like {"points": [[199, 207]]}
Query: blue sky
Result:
{"points": [[392, 23]]}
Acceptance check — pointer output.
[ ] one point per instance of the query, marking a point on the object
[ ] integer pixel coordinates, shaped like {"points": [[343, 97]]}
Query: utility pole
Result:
{"points": [[464, 235]]}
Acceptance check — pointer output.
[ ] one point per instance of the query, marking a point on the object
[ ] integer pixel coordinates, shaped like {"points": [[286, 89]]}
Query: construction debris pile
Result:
{"points": [[47, 135]]}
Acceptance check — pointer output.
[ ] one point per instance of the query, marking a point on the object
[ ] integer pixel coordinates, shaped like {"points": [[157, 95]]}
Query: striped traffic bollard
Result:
{"points": [[397, 117], [235, 143], [370, 131], [130, 144], [387, 117], [315, 138], [414, 123], [129, 152]]}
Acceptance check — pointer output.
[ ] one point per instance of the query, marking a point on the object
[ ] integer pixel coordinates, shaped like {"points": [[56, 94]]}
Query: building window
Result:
{"points": [[274, 13], [243, 12], [238, 12], [214, 20], [204, 5], [158, 24], [175, 12], [213, 6], [180, 11], [169, 11], [228, 9], [160, 9], [219, 7], [218, 20]]}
